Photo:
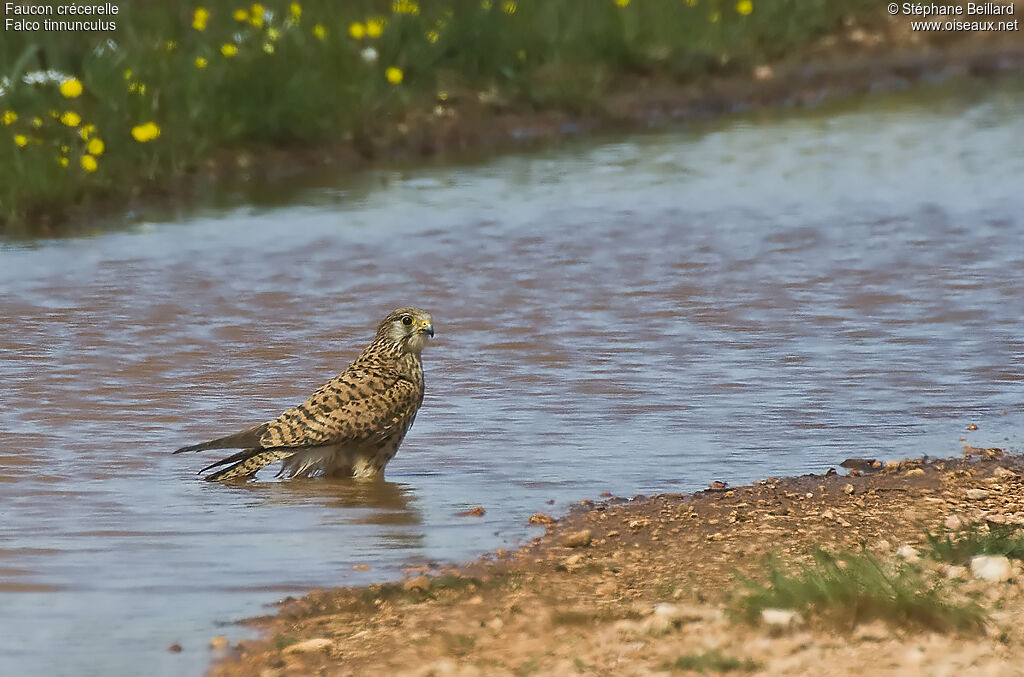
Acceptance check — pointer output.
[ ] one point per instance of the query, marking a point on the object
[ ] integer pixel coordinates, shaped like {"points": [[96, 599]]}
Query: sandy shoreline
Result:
{"points": [[632, 586]]}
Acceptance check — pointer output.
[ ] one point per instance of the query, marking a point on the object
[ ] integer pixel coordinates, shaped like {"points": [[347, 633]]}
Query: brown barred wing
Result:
{"points": [[353, 408]]}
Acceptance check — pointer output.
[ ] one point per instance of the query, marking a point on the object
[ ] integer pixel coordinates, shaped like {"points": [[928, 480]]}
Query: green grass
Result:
{"points": [[712, 661], [960, 548], [852, 588], [281, 642], [301, 80]]}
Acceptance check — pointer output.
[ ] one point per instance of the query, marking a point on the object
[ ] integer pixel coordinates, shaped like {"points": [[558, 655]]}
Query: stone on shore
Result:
{"points": [[310, 645], [579, 539], [991, 568], [781, 619]]}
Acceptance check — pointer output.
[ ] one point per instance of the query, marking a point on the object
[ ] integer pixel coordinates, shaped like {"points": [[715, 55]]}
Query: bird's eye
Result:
{"points": [[406, 320]]}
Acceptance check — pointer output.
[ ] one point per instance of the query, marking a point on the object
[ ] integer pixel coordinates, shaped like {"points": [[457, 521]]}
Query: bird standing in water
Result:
{"points": [[352, 425]]}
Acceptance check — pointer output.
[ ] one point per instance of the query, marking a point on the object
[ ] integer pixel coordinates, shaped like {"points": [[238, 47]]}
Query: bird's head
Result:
{"points": [[408, 328]]}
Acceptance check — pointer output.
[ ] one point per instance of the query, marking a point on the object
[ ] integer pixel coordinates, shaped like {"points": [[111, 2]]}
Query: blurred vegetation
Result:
{"points": [[712, 661], [852, 588], [96, 115], [960, 548]]}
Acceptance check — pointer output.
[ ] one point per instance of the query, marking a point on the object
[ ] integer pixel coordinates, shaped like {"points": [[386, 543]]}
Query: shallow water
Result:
{"points": [[766, 295]]}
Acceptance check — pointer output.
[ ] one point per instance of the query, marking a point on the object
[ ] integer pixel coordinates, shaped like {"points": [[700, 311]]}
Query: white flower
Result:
{"points": [[369, 55], [43, 77]]}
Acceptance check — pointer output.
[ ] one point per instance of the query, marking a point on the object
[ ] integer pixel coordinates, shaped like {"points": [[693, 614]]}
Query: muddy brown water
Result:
{"points": [[765, 295]]}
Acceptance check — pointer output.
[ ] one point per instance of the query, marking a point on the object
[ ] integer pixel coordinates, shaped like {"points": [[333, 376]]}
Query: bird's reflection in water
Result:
{"points": [[361, 501], [387, 509]]}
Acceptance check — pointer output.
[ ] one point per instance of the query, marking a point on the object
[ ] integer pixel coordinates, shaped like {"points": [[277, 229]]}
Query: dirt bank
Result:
{"points": [[640, 586]]}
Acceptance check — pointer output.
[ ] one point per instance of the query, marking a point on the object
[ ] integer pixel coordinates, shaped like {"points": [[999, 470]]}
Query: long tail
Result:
{"points": [[248, 438], [246, 462]]}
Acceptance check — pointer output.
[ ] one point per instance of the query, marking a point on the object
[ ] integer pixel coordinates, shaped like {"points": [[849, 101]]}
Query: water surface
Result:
{"points": [[767, 295]]}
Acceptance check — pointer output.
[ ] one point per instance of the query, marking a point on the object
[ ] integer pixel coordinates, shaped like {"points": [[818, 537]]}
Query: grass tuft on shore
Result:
{"points": [[281, 642], [852, 588], [164, 88], [712, 661], [961, 548]]}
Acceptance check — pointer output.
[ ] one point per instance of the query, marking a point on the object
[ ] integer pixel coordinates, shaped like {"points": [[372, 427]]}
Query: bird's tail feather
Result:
{"points": [[250, 437], [246, 462]]}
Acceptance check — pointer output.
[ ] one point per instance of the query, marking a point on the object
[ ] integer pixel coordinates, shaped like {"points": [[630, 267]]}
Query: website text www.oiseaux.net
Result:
{"points": [[969, 16]]}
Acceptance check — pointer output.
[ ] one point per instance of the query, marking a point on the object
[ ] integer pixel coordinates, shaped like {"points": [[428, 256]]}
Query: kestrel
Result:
{"points": [[352, 425]]}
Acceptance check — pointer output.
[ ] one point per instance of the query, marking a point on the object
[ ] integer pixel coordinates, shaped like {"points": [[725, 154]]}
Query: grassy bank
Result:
{"points": [[100, 115]]}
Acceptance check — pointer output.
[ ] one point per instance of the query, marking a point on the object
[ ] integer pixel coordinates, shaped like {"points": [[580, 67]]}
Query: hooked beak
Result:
{"points": [[428, 329]]}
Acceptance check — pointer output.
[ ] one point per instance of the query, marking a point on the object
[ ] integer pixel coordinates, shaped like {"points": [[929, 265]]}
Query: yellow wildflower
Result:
{"points": [[394, 75], [744, 7], [146, 132], [96, 147], [509, 7], [71, 88], [295, 9], [405, 7], [54, 113], [62, 161], [375, 26], [137, 87], [256, 15], [268, 48], [9, 117], [273, 34], [356, 30], [89, 163], [128, 74], [37, 122], [170, 45], [442, 95], [20, 140], [71, 118], [86, 131], [201, 62], [621, 3], [240, 14], [433, 36], [319, 32], [65, 148], [229, 50], [199, 18]]}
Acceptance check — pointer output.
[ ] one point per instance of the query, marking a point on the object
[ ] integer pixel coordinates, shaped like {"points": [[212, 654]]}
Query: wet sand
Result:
{"points": [[628, 586]]}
